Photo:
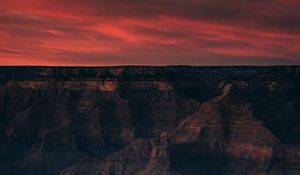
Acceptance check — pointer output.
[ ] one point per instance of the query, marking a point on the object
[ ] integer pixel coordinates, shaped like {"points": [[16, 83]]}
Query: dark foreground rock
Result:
{"points": [[150, 120]]}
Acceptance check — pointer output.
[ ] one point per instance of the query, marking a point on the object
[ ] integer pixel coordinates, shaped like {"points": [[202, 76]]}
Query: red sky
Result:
{"points": [[149, 32]]}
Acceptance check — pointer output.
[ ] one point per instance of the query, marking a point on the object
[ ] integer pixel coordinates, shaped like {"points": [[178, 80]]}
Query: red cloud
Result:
{"points": [[102, 32]]}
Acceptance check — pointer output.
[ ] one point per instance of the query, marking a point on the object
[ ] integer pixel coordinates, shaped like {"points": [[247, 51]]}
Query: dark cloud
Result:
{"points": [[263, 14]]}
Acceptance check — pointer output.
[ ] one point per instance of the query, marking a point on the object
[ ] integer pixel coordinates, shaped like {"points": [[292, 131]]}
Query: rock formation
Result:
{"points": [[150, 120]]}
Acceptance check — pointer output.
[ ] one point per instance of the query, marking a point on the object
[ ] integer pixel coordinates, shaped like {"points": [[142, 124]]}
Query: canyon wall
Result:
{"points": [[150, 120]]}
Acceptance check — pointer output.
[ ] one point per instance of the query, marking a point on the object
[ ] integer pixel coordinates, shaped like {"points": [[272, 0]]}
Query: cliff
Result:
{"points": [[150, 120]]}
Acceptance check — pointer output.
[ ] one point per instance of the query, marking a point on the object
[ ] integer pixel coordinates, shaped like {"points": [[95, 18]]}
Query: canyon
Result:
{"points": [[150, 120]]}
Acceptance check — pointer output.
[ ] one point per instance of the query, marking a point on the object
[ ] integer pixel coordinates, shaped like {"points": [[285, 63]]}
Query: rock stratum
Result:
{"points": [[150, 120]]}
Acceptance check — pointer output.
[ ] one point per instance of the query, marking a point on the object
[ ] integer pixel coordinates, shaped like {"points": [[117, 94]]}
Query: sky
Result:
{"points": [[149, 32]]}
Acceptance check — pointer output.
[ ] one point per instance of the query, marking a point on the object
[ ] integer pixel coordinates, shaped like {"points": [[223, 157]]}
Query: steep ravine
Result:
{"points": [[149, 120]]}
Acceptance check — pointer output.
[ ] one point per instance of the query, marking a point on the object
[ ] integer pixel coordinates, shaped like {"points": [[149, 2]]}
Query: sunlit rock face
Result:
{"points": [[149, 120]]}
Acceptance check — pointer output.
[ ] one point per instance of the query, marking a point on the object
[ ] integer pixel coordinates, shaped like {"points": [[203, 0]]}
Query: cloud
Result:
{"points": [[154, 32]]}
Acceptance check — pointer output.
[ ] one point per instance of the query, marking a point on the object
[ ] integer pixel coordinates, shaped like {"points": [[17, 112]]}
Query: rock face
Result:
{"points": [[150, 120]]}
